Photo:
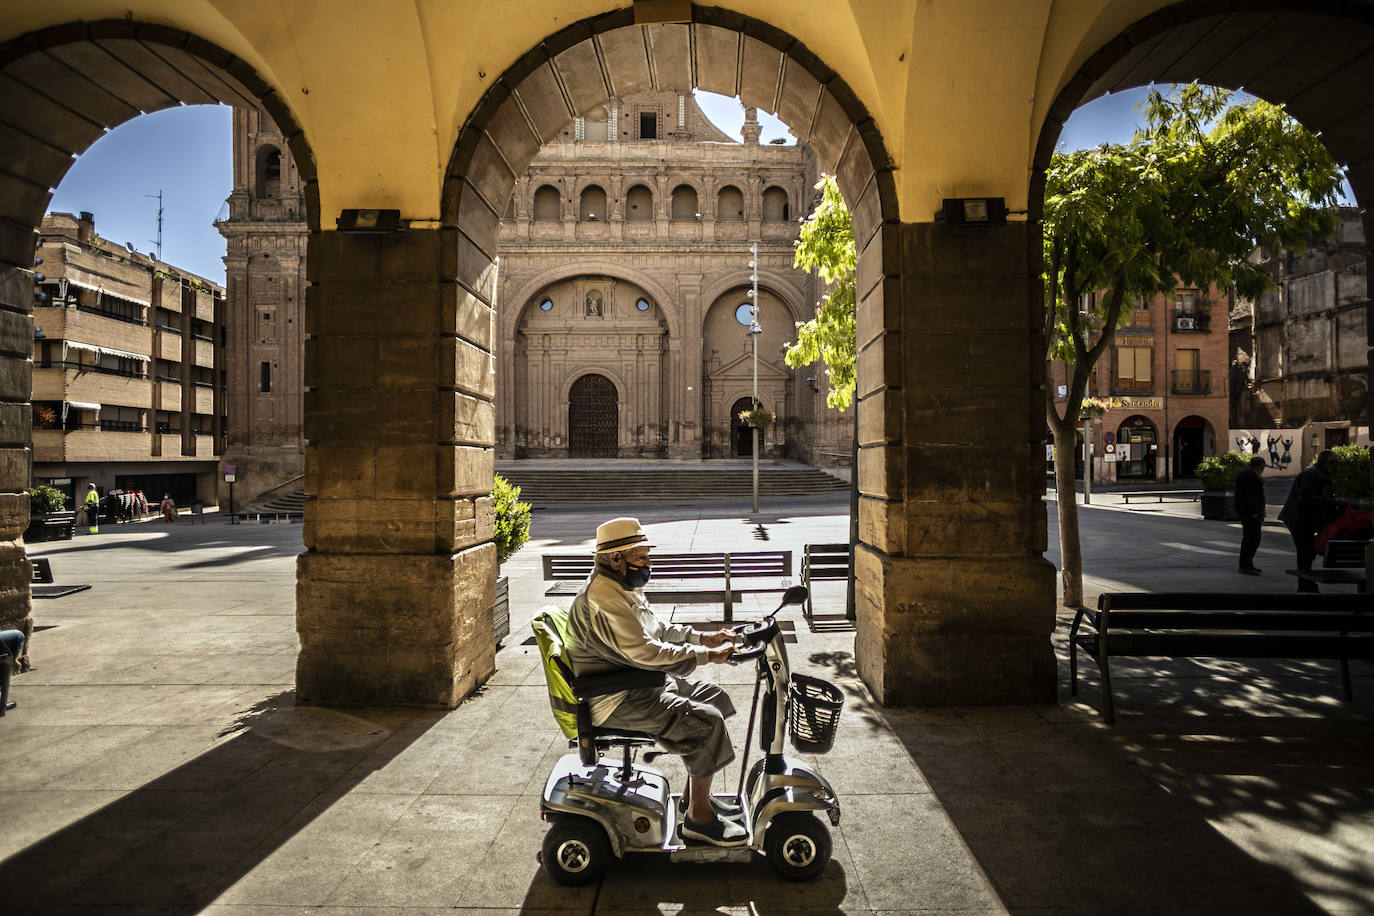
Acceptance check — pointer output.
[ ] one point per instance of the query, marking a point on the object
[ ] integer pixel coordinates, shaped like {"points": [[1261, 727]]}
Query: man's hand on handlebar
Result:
{"points": [[721, 654], [717, 639]]}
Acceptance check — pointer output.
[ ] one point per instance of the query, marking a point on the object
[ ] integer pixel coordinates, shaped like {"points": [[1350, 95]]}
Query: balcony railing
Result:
{"points": [[1192, 381], [85, 367], [1132, 389], [110, 313]]}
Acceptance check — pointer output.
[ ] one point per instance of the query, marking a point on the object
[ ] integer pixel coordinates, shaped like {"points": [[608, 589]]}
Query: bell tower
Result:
{"points": [[264, 345]]}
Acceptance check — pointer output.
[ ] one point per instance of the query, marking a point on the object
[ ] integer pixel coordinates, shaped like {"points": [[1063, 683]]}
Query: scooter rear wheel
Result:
{"points": [[575, 851], [797, 845]]}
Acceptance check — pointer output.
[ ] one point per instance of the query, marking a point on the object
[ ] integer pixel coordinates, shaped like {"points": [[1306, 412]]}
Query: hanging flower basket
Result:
{"points": [[757, 417], [1092, 408]]}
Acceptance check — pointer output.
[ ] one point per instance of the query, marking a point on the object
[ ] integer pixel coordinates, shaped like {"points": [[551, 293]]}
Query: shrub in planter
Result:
{"points": [[512, 519], [48, 516], [44, 499], [1219, 471], [1218, 476], [1351, 479]]}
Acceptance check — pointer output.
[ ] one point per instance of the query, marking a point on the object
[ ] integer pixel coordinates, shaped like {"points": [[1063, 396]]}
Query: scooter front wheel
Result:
{"points": [[575, 851], [797, 845]]}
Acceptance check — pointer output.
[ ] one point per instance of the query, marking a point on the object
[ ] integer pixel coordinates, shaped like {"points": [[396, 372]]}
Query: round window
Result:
{"points": [[642, 305], [745, 314], [546, 305]]}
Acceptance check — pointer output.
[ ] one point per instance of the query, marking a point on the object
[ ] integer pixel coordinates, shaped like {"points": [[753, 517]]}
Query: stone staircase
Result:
{"points": [[291, 503], [616, 484]]}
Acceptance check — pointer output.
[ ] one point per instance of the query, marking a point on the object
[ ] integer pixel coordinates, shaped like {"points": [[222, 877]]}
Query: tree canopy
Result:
{"points": [[826, 245], [1188, 201]]}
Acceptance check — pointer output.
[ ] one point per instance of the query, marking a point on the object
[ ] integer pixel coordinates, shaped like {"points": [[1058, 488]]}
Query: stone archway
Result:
{"points": [[915, 550], [63, 87]]}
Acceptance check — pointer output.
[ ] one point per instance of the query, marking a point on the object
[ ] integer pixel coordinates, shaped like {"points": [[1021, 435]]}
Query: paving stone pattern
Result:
{"points": [[157, 762]]}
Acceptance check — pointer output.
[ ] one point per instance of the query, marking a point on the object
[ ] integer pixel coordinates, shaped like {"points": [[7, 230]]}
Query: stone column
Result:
{"points": [[16, 422], [955, 600], [394, 591]]}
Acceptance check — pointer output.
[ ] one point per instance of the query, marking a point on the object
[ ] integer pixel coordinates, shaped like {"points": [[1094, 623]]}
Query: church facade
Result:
{"points": [[626, 276]]}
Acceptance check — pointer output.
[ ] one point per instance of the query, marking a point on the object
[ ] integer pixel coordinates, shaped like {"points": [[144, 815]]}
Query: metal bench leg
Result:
{"points": [[1108, 708], [1346, 693], [6, 669]]}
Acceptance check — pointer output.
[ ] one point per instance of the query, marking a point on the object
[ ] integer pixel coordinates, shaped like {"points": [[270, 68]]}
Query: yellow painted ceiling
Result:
{"points": [[958, 88]]}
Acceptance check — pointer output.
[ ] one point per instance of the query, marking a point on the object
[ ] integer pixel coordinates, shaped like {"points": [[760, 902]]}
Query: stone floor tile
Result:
{"points": [[428, 855], [906, 852]]}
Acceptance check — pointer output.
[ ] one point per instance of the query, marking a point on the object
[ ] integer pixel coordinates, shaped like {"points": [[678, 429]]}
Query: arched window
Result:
{"points": [[268, 173], [593, 203], [639, 204], [685, 202], [547, 203], [730, 204], [775, 204]]}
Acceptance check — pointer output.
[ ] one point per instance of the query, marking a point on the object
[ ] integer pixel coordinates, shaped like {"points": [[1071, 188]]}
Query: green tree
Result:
{"points": [[826, 246], [1187, 200]]}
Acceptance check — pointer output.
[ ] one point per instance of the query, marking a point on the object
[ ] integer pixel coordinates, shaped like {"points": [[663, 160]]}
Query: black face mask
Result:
{"points": [[636, 576]]}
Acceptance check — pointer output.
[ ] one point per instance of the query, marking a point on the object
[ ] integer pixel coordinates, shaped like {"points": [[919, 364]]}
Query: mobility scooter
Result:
{"points": [[600, 808]]}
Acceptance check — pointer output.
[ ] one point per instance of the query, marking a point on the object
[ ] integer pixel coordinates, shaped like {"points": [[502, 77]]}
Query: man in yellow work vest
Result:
{"points": [[92, 509]]}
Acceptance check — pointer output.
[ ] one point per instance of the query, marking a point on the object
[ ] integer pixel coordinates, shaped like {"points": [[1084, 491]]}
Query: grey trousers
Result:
{"points": [[688, 718]]}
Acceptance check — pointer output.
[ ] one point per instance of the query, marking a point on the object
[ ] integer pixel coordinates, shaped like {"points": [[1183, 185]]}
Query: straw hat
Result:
{"points": [[620, 534]]}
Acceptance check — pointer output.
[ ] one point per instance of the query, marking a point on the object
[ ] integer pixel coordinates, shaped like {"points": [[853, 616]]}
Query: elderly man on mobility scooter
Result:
{"points": [[613, 627]]}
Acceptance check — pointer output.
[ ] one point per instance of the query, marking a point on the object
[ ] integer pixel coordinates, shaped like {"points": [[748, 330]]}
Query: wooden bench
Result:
{"points": [[822, 562], [1221, 625], [1160, 495], [1342, 564], [568, 571], [42, 586]]}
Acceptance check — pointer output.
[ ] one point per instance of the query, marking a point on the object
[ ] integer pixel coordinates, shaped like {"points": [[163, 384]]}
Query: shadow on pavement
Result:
{"points": [[651, 883], [1220, 796], [178, 841]]}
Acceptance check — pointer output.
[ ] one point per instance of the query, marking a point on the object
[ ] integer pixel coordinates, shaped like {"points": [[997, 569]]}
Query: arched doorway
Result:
{"points": [[593, 418], [1194, 440], [1137, 445], [741, 437]]}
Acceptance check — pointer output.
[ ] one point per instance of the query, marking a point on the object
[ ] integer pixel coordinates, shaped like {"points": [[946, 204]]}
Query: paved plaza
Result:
{"points": [[157, 762]]}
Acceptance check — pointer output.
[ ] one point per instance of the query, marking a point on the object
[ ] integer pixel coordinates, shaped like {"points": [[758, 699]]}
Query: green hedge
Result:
{"points": [[512, 519], [1352, 472], [1219, 471], [44, 499]]}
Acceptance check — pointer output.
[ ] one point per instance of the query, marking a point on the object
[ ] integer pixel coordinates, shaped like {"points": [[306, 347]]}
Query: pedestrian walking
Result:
{"points": [[1250, 506], [92, 507], [1306, 509], [169, 508]]}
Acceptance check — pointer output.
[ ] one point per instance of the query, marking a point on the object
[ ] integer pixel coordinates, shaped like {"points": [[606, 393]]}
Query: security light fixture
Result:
{"points": [[374, 221], [972, 211]]}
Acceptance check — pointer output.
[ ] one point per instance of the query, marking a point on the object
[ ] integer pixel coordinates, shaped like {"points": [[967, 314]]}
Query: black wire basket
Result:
{"points": [[813, 713]]}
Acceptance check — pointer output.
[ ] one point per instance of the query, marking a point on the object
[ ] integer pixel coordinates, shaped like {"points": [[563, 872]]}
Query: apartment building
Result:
{"points": [[127, 386], [1165, 384]]}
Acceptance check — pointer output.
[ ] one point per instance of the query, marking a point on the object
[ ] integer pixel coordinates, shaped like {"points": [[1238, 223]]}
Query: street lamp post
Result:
{"points": [[754, 332]]}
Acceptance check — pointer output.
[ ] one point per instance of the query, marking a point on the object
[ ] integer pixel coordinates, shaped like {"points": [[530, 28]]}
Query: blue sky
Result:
{"points": [[186, 153]]}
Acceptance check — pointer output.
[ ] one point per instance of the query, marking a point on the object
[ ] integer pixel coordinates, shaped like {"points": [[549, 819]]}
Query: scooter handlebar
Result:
{"points": [[745, 655]]}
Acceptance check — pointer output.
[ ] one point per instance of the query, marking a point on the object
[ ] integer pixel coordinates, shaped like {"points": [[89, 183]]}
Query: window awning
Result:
{"points": [[97, 288], [106, 351], [83, 405]]}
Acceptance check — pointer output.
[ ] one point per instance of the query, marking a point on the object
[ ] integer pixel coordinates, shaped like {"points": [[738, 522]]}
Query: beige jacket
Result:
{"points": [[613, 626]]}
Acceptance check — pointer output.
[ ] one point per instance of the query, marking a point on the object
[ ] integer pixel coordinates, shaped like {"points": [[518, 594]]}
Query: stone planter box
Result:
{"points": [[51, 526], [1219, 505], [500, 611]]}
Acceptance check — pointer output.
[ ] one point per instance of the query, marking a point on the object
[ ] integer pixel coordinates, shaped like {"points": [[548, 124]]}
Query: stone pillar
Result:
{"points": [[16, 423], [394, 591], [955, 601]]}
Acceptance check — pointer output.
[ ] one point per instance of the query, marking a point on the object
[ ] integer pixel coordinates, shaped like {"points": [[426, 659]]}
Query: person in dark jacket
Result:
{"points": [[1305, 510], [1250, 506]]}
